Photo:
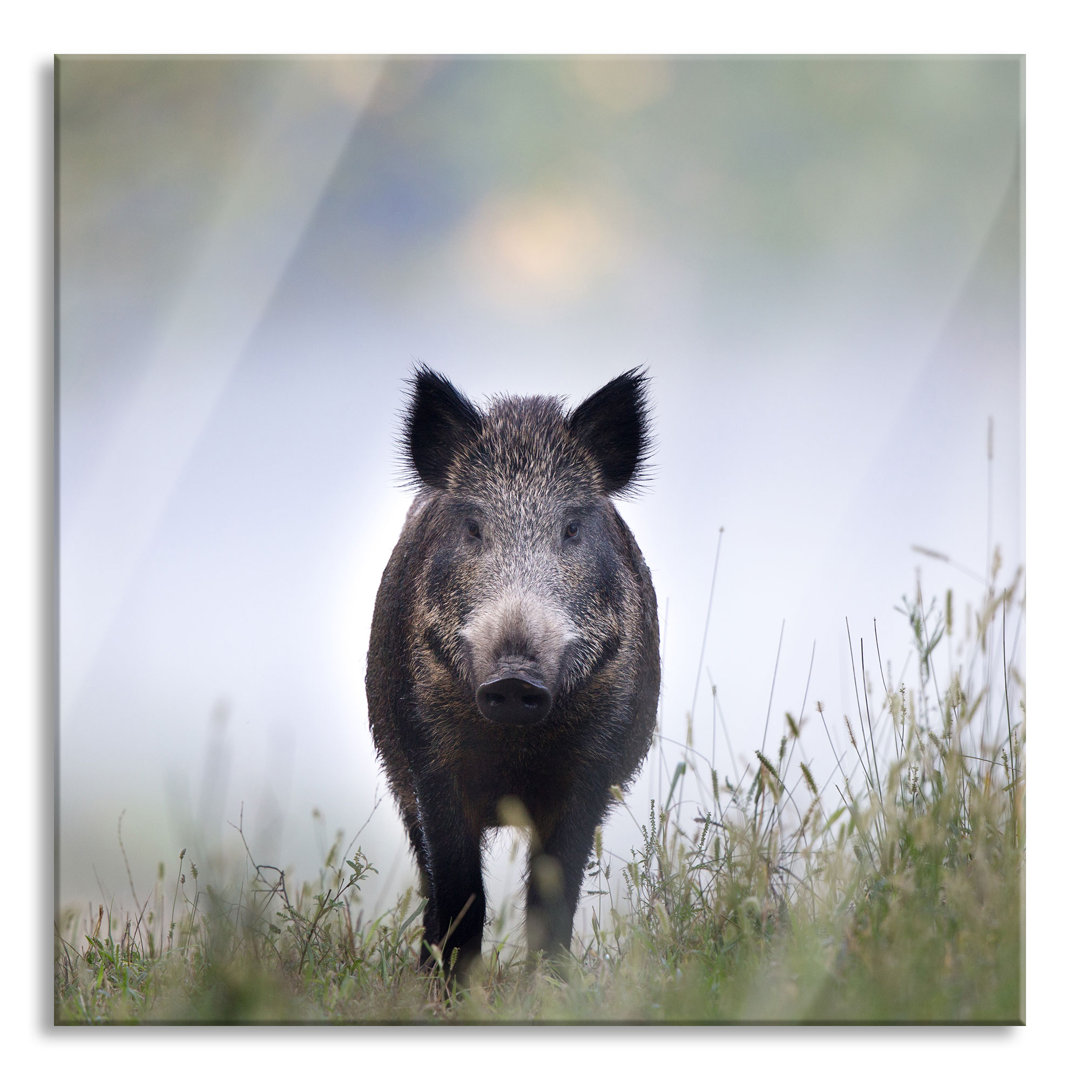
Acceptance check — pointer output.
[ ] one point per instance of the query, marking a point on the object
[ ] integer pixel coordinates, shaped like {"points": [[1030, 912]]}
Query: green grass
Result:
{"points": [[889, 890]]}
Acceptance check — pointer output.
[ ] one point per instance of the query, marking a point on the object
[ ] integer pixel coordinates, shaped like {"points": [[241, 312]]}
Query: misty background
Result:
{"points": [[819, 260]]}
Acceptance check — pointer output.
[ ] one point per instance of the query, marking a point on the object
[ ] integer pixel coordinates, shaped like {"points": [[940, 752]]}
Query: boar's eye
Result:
{"points": [[572, 530], [472, 528]]}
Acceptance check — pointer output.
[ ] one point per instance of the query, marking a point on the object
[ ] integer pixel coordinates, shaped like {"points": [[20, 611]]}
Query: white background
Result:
{"points": [[1049, 467]]}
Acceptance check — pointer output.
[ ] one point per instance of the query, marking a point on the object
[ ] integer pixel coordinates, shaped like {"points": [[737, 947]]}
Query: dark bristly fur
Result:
{"points": [[514, 648]]}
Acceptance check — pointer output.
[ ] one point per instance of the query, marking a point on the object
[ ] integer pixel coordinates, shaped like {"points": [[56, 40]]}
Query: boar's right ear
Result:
{"points": [[438, 419], [613, 425]]}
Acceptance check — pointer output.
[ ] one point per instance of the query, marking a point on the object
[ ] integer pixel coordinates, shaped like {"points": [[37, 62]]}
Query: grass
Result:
{"points": [[889, 891]]}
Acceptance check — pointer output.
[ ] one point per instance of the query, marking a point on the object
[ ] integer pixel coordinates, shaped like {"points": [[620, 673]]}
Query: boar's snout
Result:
{"points": [[514, 697], [517, 645]]}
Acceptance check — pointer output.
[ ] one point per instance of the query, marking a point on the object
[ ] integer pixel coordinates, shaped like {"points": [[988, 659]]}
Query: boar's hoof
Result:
{"points": [[515, 699]]}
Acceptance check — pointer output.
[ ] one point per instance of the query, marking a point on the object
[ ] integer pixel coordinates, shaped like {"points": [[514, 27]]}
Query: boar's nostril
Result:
{"points": [[514, 700]]}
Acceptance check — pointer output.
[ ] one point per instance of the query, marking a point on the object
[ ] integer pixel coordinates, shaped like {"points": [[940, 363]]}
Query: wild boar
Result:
{"points": [[514, 649]]}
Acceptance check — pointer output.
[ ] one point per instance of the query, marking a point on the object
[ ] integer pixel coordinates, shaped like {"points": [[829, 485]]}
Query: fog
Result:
{"points": [[819, 261]]}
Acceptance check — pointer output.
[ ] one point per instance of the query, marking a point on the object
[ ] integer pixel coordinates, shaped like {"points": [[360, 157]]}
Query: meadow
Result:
{"points": [[889, 889]]}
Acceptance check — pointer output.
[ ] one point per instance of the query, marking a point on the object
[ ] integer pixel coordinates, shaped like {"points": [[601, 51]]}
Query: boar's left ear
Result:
{"points": [[613, 425], [438, 421]]}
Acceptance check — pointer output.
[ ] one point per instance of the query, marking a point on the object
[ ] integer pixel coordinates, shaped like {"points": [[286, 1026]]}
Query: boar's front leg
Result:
{"points": [[453, 873], [556, 868]]}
